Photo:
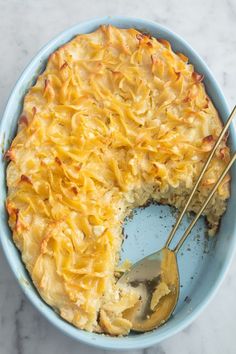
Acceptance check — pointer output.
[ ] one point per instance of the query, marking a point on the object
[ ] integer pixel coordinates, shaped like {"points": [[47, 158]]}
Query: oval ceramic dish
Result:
{"points": [[203, 263]]}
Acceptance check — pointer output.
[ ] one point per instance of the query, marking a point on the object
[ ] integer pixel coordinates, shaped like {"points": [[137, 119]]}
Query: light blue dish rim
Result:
{"points": [[151, 338]]}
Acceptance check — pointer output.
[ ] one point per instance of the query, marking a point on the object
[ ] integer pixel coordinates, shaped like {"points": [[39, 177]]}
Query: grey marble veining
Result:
{"points": [[25, 26]]}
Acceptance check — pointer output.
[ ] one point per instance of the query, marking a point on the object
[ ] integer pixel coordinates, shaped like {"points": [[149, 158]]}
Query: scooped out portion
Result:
{"points": [[116, 119]]}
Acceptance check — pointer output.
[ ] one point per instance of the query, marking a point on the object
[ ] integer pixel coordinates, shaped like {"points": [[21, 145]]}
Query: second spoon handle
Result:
{"points": [[188, 230], [173, 231]]}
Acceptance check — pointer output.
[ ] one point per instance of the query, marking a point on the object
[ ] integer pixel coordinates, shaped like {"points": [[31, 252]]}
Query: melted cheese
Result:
{"points": [[115, 119]]}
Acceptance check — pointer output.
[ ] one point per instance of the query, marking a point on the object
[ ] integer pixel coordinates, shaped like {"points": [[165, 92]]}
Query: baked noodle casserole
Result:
{"points": [[115, 120]]}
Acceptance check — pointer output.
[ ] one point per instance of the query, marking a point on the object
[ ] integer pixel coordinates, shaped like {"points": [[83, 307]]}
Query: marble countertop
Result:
{"points": [[25, 26]]}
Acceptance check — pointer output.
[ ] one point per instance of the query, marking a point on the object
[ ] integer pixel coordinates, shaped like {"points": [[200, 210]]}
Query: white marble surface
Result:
{"points": [[210, 27]]}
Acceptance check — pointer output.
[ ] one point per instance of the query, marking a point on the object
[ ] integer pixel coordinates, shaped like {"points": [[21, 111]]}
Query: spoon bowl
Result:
{"points": [[156, 278]]}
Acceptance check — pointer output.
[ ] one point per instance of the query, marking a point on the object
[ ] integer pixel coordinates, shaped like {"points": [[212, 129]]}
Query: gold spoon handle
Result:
{"points": [[173, 231], [188, 230]]}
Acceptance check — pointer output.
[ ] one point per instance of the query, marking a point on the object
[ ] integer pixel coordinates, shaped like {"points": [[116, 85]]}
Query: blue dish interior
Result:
{"points": [[202, 262]]}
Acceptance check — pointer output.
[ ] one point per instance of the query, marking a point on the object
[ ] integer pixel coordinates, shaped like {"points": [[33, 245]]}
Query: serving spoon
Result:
{"points": [[156, 276]]}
